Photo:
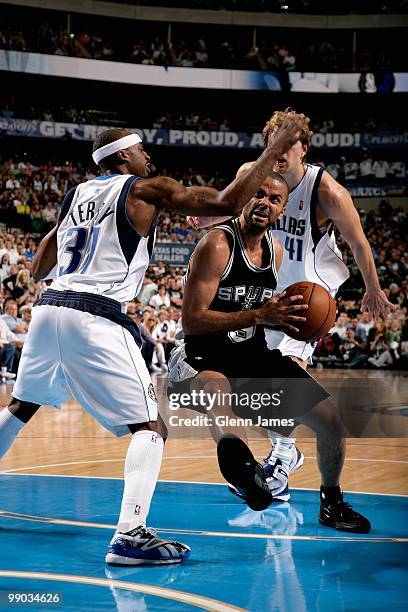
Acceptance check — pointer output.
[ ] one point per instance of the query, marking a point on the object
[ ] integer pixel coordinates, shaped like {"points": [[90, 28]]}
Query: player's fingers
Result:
{"points": [[279, 296], [294, 318], [292, 298], [294, 307]]}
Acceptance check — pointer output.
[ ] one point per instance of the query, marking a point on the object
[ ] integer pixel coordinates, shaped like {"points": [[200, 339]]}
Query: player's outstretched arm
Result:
{"points": [[167, 193], [206, 268], [45, 257], [336, 204], [202, 222]]}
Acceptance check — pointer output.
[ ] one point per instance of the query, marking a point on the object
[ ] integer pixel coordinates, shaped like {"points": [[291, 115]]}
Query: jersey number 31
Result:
{"points": [[82, 237]]}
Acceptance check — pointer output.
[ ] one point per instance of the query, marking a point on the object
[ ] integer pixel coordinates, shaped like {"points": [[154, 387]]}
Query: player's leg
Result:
{"points": [[111, 381], [237, 463], [284, 457], [12, 420], [325, 421], [133, 543]]}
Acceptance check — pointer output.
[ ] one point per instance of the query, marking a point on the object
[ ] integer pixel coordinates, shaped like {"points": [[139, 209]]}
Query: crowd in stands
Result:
{"points": [[272, 51], [369, 168], [19, 108]]}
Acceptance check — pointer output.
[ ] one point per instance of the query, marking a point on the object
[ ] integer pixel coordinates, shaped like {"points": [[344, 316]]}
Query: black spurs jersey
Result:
{"points": [[243, 286]]}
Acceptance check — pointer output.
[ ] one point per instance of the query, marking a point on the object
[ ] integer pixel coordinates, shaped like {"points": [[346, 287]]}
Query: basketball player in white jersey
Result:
{"points": [[80, 337], [317, 203]]}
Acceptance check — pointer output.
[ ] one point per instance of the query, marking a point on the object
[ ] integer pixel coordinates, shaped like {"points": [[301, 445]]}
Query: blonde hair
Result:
{"points": [[19, 275], [276, 120]]}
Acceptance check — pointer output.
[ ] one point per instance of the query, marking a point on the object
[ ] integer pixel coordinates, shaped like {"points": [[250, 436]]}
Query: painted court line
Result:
{"points": [[199, 601], [185, 457], [214, 534], [195, 482]]}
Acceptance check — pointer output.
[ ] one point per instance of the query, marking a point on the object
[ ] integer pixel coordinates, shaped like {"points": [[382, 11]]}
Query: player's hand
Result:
{"points": [[284, 137], [281, 311], [376, 302]]}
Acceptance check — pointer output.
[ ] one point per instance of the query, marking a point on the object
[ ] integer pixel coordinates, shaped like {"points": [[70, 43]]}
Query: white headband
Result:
{"points": [[116, 145]]}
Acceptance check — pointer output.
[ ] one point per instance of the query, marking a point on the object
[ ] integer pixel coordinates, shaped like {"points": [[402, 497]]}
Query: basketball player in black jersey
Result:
{"points": [[227, 300]]}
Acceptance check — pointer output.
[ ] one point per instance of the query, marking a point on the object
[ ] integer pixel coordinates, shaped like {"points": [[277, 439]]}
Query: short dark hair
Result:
{"points": [[104, 138], [275, 176]]}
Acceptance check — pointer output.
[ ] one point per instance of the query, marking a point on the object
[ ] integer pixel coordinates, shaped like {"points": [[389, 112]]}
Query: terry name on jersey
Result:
{"points": [[83, 215], [245, 295]]}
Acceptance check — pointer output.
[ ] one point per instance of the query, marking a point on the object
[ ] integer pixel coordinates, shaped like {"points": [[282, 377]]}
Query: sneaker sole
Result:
{"points": [[342, 527], [238, 466], [113, 559]]}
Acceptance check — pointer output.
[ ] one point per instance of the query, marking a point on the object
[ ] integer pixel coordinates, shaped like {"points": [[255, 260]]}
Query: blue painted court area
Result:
{"points": [[279, 559]]}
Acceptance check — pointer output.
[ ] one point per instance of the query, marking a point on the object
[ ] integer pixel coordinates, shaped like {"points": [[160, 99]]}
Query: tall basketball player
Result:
{"points": [[317, 203], [80, 337], [231, 276]]}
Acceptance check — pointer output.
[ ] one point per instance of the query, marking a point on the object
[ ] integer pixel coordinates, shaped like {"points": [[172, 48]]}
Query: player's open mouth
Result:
{"points": [[260, 214], [281, 160]]}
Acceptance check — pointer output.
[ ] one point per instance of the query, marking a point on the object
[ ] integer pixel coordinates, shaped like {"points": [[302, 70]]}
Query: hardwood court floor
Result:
{"points": [[70, 442]]}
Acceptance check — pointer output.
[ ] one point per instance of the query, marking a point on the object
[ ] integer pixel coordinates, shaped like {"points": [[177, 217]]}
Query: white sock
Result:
{"points": [[10, 425], [282, 449], [142, 467]]}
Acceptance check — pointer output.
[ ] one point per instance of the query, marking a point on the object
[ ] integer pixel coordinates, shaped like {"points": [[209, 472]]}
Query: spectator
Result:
{"points": [[366, 166], [380, 169], [149, 289], [352, 350], [10, 317], [10, 250], [23, 287], [350, 170], [340, 327], [158, 362], [4, 267], [377, 339], [175, 293], [364, 325], [8, 345], [161, 299]]}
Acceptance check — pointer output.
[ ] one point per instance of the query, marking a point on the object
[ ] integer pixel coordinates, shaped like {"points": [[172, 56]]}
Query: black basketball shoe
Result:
{"points": [[340, 515], [240, 468]]}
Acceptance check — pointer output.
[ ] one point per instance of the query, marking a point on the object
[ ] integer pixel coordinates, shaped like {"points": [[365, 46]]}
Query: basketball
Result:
{"points": [[321, 314]]}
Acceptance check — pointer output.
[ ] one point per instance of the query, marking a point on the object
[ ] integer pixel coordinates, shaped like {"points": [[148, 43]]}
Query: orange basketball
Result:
{"points": [[321, 314]]}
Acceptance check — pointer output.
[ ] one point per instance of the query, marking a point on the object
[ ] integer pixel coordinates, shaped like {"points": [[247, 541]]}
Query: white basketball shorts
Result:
{"points": [[95, 359], [288, 346]]}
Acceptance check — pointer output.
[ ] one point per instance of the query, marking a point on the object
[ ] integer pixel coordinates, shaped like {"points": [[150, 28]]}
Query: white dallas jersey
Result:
{"points": [[99, 250], [309, 253]]}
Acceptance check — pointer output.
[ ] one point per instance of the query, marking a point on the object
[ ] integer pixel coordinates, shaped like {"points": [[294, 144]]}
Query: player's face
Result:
{"points": [[138, 160], [290, 160], [267, 205]]}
